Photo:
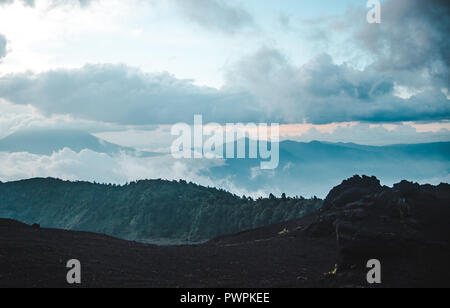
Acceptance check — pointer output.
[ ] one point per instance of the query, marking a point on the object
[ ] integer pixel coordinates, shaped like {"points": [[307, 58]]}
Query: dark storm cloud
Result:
{"points": [[413, 37], [216, 15], [324, 92]]}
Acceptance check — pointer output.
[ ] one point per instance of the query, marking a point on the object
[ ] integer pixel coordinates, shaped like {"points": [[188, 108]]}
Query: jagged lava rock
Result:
{"points": [[371, 220]]}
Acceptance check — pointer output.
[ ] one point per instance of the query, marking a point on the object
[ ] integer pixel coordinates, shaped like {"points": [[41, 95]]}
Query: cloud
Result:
{"points": [[411, 43], [25, 117], [119, 94], [263, 87], [82, 3], [216, 15], [413, 37], [3, 44], [52, 3], [91, 166], [102, 168], [285, 21], [322, 91], [65, 164], [24, 2]]}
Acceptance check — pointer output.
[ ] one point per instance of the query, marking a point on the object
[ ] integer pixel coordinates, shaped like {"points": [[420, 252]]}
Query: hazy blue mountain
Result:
{"points": [[306, 169], [46, 142], [313, 168]]}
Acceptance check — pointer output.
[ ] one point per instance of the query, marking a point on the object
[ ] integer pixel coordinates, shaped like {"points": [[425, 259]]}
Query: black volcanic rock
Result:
{"points": [[407, 188], [351, 190], [369, 220]]}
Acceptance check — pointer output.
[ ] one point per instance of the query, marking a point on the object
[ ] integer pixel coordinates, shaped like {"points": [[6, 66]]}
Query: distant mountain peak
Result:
{"points": [[48, 141]]}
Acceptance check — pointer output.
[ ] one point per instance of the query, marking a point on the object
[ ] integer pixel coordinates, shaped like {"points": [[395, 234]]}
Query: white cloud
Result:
{"points": [[24, 2], [91, 166], [25, 117], [65, 164], [102, 168]]}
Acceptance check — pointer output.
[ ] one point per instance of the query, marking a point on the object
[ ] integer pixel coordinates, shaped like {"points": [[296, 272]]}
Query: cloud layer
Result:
{"points": [[91, 166], [262, 87], [322, 92], [119, 94]]}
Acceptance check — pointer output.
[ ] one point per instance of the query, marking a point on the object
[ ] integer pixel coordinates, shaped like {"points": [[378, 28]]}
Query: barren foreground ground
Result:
{"points": [[31, 257]]}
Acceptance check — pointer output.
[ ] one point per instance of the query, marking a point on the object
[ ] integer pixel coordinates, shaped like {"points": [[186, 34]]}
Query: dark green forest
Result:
{"points": [[149, 211]]}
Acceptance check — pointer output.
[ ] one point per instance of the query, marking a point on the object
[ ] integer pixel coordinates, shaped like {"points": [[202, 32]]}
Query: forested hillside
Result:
{"points": [[152, 211]]}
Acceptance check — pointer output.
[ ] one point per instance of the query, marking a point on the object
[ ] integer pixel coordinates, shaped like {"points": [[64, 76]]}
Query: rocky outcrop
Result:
{"points": [[370, 220]]}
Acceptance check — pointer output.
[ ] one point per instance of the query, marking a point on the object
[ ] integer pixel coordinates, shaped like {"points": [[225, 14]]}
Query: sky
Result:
{"points": [[127, 70], [161, 61]]}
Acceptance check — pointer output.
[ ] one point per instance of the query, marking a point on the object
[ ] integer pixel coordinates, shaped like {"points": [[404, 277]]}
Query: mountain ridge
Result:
{"points": [[144, 210], [49, 141]]}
